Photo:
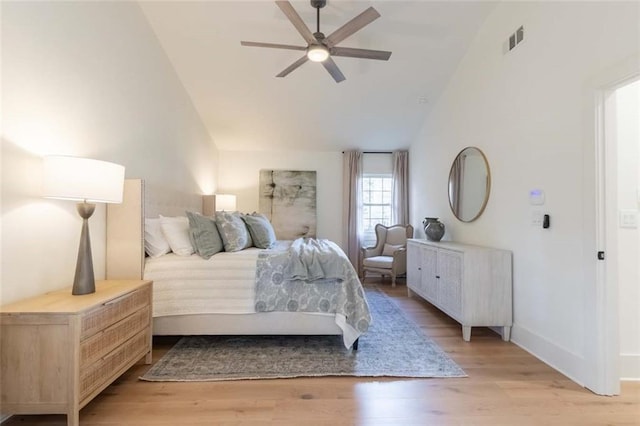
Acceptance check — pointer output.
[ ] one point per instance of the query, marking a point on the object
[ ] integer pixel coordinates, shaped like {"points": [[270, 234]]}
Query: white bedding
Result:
{"points": [[223, 284], [192, 295]]}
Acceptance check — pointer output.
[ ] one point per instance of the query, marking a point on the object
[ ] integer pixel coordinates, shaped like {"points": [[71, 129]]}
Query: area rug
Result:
{"points": [[393, 346]]}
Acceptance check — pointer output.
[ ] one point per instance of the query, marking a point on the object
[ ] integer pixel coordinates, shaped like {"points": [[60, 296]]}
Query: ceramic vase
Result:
{"points": [[433, 228]]}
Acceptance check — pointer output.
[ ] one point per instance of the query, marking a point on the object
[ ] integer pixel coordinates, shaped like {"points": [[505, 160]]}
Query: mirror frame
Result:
{"points": [[487, 189]]}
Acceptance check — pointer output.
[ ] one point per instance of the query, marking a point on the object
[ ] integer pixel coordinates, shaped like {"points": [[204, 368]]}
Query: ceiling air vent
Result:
{"points": [[514, 39]]}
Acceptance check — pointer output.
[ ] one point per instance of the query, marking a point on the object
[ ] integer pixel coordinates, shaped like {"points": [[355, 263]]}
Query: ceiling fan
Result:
{"points": [[320, 48]]}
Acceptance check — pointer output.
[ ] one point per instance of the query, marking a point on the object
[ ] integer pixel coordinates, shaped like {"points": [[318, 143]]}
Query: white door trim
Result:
{"points": [[606, 344], [602, 362]]}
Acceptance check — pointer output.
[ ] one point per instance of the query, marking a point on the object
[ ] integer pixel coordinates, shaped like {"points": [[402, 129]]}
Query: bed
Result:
{"points": [[194, 296]]}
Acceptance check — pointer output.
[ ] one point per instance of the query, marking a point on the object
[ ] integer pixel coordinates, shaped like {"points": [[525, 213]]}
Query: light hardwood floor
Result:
{"points": [[506, 387]]}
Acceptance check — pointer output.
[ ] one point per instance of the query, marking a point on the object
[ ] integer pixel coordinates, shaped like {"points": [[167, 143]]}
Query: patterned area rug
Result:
{"points": [[393, 346]]}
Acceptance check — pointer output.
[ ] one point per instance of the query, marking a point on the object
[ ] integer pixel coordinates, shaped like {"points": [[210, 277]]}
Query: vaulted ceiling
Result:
{"points": [[380, 106]]}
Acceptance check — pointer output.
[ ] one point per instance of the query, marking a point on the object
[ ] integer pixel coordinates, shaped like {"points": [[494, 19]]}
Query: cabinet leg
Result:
{"points": [[148, 357], [73, 418], [506, 333], [466, 333]]}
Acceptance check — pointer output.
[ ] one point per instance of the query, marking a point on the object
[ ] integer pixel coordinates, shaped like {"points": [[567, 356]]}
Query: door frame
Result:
{"points": [[602, 367]]}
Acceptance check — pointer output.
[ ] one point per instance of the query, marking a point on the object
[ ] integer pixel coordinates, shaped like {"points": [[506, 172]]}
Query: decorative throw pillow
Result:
{"points": [[234, 232], [155, 244], [204, 235], [262, 233], [390, 248], [176, 231]]}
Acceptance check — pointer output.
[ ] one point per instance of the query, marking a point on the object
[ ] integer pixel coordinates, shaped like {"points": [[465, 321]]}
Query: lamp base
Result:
{"points": [[84, 280]]}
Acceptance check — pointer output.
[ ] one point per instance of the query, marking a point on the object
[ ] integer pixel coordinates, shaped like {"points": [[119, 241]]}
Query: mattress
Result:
{"points": [[223, 284]]}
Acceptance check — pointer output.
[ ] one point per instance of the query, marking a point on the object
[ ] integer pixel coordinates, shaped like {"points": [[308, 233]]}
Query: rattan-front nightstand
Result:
{"points": [[58, 351]]}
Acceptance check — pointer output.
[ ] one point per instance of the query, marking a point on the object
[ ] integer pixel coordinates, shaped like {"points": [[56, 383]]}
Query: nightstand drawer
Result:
{"points": [[113, 311], [100, 344], [107, 368]]}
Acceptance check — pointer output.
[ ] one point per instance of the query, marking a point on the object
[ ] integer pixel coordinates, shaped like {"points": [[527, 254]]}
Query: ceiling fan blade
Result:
{"points": [[293, 66], [350, 52], [272, 45], [297, 21], [357, 23], [333, 69]]}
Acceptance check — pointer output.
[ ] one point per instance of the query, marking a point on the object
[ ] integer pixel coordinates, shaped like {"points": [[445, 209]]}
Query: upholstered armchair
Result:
{"points": [[389, 255]]}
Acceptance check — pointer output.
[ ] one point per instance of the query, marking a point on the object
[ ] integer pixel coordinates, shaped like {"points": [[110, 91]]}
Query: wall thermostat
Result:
{"points": [[536, 197]]}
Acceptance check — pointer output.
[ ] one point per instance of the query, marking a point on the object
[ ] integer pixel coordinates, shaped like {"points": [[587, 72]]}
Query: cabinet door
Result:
{"points": [[414, 267], [450, 282], [429, 273]]}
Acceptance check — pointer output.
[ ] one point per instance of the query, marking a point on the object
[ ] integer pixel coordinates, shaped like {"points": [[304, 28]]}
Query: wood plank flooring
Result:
{"points": [[506, 387]]}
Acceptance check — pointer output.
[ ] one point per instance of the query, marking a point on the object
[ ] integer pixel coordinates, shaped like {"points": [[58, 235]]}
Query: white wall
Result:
{"points": [[628, 147], [531, 113], [239, 174], [84, 79], [377, 163]]}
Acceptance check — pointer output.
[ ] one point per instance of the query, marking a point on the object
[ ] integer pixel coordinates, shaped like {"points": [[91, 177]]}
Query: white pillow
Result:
{"points": [[155, 244], [389, 249], [176, 231]]}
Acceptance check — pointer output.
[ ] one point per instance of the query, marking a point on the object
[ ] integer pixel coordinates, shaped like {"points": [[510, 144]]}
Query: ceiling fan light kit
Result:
{"points": [[320, 48], [317, 53]]}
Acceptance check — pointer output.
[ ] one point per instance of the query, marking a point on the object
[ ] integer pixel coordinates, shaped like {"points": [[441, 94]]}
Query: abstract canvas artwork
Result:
{"points": [[288, 199]]}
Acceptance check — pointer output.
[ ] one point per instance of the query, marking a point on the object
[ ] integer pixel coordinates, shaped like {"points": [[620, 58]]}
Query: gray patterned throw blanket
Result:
{"points": [[312, 275]]}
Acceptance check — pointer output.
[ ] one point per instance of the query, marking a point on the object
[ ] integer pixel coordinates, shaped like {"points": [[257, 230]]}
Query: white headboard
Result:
{"points": [[167, 202], [125, 224]]}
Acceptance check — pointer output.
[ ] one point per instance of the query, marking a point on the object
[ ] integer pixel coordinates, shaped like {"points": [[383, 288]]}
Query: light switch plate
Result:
{"points": [[628, 218], [536, 218]]}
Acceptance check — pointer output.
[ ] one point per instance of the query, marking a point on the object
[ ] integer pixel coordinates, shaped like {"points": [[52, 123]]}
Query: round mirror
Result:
{"points": [[469, 184]]}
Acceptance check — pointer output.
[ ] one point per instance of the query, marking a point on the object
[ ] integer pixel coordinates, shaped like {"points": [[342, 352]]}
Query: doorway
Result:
{"points": [[625, 213], [617, 204]]}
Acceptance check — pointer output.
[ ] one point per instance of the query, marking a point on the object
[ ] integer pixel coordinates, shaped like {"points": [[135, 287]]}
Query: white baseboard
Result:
{"points": [[557, 357], [630, 367]]}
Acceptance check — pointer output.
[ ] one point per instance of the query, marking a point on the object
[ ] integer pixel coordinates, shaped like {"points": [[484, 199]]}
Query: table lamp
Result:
{"points": [[218, 203], [88, 181]]}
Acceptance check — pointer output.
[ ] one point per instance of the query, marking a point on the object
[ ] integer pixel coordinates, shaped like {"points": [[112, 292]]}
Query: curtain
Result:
{"points": [[400, 194], [351, 205]]}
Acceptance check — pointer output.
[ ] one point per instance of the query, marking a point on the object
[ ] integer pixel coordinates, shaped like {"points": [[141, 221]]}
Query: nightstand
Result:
{"points": [[58, 351]]}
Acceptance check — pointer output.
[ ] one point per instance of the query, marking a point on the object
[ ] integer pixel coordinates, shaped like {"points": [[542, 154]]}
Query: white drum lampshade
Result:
{"points": [[225, 202], [83, 179]]}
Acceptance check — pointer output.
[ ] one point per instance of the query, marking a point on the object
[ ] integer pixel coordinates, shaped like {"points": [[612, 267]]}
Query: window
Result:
{"points": [[376, 205]]}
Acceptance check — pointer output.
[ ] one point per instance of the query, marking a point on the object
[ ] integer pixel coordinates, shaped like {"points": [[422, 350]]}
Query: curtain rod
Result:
{"points": [[375, 152]]}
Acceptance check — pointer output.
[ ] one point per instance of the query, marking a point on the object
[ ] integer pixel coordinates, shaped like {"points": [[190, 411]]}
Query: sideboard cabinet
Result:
{"points": [[471, 284], [59, 351]]}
